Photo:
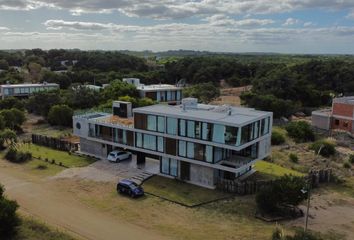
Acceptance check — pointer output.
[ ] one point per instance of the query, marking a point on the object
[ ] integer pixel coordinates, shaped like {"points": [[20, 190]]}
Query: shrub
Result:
{"points": [[284, 191], [60, 115], [42, 166], [277, 137], [8, 217], [347, 165], [293, 157], [351, 158], [299, 235], [327, 148], [300, 131], [16, 156]]}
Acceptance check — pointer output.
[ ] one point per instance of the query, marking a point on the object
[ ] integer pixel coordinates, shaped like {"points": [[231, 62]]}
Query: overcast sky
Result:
{"points": [[285, 26]]}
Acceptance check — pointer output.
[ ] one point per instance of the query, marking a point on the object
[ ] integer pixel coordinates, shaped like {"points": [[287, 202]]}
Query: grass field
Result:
{"points": [[184, 193], [47, 130], [31, 229], [65, 158], [267, 170]]}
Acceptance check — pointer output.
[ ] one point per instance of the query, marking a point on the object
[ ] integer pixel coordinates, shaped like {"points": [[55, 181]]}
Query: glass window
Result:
{"points": [[182, 127], [161, 124], [149, 142], [139, 140], [209, 154], [182, 148], [217, 154], [172, 126], [206, 130], [169, 97], [160, 147], [231, 135], [191, 129], [178, 96], [17, 90], [190, 150], [151, 125], [219, 133], [124, 137], [199, 151], [165, 165], [173, 167]]}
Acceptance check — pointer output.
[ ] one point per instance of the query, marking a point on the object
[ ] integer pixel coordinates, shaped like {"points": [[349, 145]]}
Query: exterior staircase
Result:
{"points": [[141, 177]]}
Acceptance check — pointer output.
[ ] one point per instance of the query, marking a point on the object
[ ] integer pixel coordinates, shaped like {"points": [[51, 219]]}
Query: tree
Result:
{"points": [[81, 97], [282, 192], [118, 89], [325, 148], [13, 118], [60, 115], [11, 102], [4, 65], [205, 92], [301, 131], [41, 102], [8, 217], [277, 137]]}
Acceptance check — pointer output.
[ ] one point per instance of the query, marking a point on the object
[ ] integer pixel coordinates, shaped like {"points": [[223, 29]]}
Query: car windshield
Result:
{"points": [[112, 155], [120, 153]]}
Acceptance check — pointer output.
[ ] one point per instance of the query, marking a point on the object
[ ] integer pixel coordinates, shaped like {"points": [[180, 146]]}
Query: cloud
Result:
{"points": [[175, 9], [223, 20], [4, 28], [291, 21], [309, 24]]}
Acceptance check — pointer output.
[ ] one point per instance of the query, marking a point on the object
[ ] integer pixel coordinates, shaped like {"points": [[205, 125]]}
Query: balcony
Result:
{"points": [[236, 161]]}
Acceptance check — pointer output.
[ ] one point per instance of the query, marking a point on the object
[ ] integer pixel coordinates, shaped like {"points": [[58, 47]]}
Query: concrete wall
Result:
{"points": [[80, 127], [201, 175], [264, 147], [321, 121], [94, 148]]}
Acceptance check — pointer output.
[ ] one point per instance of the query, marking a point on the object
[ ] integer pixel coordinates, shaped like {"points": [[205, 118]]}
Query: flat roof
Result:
{"points": [[30, 85], [157, 87], [209, 113], [346, 100]]}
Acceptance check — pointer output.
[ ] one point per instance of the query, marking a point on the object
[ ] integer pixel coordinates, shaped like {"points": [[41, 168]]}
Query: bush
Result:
{"points": [[351, 158], [42, 166], [327, 148], [347, 165], [60, 115], [300, 131], [17, 157], [299, 235], [277, 137], [8, 217], [293, 158], [284, 191]]}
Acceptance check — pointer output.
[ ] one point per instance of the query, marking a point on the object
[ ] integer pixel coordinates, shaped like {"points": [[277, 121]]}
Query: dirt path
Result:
{"points": [[59, 209]]}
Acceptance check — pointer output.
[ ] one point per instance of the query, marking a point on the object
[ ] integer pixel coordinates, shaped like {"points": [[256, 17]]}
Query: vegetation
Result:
{"points": [[301, 235], [12, 118], [60, 115], [293, 158], [351, 158], [300, 131], [9, 220], [205, 92], [180, 192], [278, 137], [65, 158], [281, 193], [271, 170], [15, 156], [325, 148], [7, 137]]}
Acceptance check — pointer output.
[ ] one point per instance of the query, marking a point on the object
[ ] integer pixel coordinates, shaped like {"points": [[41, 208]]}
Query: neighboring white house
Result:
{"points": [[25, 89], [196, 143]]}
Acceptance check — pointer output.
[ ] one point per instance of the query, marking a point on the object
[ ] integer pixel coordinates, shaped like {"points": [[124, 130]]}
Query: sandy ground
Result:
{"points": [[38, 197], [330, 212], [230, 96]]}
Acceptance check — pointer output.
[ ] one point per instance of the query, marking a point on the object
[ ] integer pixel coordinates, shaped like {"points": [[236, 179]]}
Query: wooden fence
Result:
{"points": [[316, 177], [55, 143]]}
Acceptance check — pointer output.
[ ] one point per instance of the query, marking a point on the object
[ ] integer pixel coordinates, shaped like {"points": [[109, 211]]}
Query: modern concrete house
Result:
{"points": [[158, 92], [340, 116], [25, 89], [196, 143]]}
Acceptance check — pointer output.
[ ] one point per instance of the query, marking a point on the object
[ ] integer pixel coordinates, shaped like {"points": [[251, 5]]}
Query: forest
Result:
{"points": [[281, 83]]}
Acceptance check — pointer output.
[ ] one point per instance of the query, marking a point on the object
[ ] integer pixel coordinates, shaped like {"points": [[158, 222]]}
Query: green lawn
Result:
{"points": [[67, 159], [271, 170], [181, 192], [33, 230]]}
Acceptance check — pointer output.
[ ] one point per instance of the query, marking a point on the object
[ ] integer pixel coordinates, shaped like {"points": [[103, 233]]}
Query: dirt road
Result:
{"points": [[39, 199]]}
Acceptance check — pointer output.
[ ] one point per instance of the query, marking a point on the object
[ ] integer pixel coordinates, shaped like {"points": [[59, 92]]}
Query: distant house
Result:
{"points": [[340, 116], [169, 93], [25, 89]]}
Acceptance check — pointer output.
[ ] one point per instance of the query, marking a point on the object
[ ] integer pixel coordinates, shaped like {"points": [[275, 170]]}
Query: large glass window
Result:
{"points": [[209, 154], [206, 131], [217, 154], [160, 144], [182, 127], [190, 150], [161, 124], [172, 126], [219, 133], [182, 147], [149, 142], [191, 129], [151, 122], [139, 140], [178, 96], [231, 135], [169, 166]]}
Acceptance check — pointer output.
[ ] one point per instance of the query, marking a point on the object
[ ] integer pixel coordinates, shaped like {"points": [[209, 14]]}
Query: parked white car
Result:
{"points": [[117, 156]]}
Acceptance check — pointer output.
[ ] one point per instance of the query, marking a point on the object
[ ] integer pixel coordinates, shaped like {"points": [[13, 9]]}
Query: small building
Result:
{"points": [[196, 143], [25, 89], [169, 93], [340, 116]]}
